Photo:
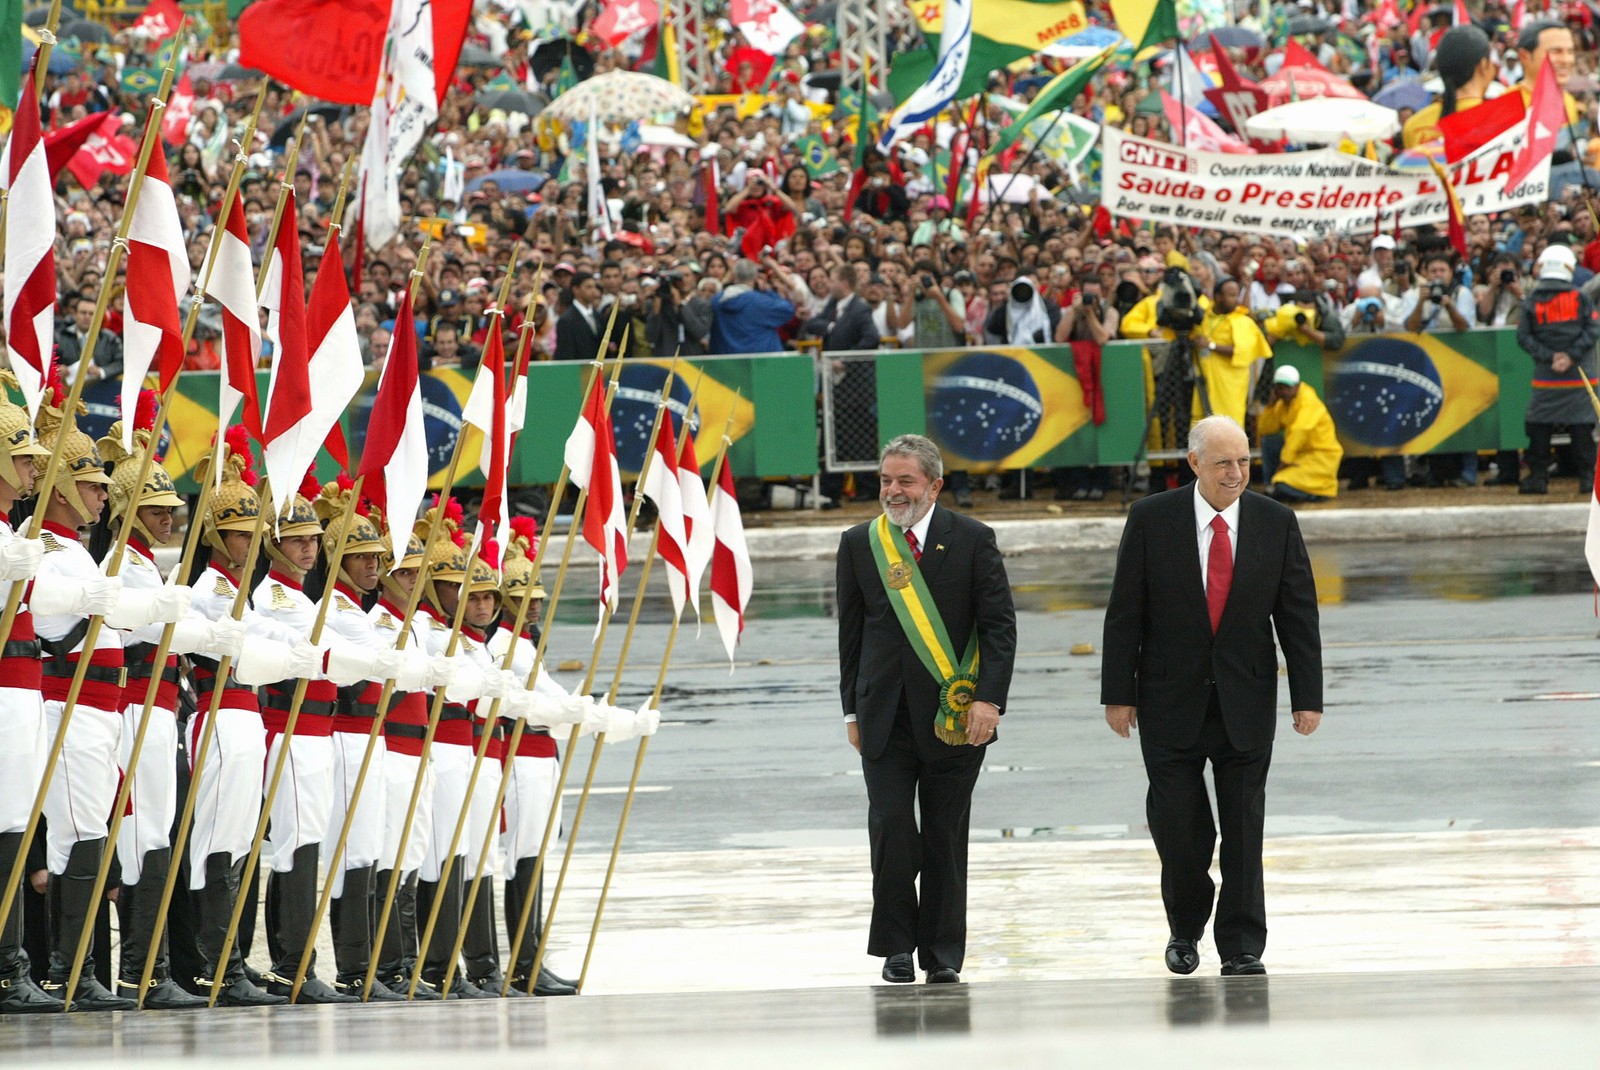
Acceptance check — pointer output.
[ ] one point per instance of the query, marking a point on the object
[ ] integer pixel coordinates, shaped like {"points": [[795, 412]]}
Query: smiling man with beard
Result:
{"points": [[927, 635]]}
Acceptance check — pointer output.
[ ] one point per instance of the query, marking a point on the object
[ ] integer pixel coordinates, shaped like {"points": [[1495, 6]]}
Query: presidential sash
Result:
{"points": [[925, 630]]}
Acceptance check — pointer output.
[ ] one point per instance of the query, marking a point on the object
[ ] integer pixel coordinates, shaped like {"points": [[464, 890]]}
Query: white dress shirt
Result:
{"points": [[1203, 515]]}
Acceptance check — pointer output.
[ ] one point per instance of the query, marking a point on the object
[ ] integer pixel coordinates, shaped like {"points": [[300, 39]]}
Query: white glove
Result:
{"points": [[596, 719], [499, 683], [439, 671], [225, 638], [569, 709], [19, 559], [137, 608], [263, 661], [536, 708], [411, 674], [305, 661], [467, 681], [63, 597], [619, 724], [190, 634], [646, 722], [349, 665]]}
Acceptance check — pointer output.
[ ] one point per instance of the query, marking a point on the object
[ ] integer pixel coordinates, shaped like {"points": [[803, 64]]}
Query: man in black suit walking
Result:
{"points": [[1204, 575], [581, 326], [921, 570]]}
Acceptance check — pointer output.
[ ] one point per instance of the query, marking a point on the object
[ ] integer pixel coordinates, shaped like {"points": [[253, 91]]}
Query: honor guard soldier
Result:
{"points": [[228, 789], [404, 729], [70, 588], [535, 767], [304, 799], [144, 843], [360, 569], [444, 573], [23, 742]]}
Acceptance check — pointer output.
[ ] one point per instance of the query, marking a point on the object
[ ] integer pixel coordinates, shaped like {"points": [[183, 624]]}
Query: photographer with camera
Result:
{"points": [[936, 322], [1501, 294], [1373, 311], [1026, 318], [1559, 328], [1230, 345], [746, 315], [1175, 313], [669, 324], [1299, 319], [1087, 323], [1438, 302]]}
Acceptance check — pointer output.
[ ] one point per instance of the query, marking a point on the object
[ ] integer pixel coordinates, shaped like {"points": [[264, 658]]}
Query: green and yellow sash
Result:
{"points": [[924, 628]]}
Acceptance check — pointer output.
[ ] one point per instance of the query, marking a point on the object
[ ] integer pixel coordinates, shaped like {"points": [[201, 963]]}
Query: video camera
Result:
{"points": [[1178, 302]]}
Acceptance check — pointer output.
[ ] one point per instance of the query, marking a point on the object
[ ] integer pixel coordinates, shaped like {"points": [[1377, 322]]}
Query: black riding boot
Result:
{"points": [[72, 893], [18, 992], [517, 891], [137, 905], [291, 906], [351, 918], [436, 956], [398, 957], [481, 949], [213, 909]]}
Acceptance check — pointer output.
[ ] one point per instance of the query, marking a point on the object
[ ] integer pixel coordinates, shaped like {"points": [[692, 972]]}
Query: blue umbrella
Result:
{"points": [[1228, 37], [1399, 95], [61, 61], [1095, 37], [511, 180]]}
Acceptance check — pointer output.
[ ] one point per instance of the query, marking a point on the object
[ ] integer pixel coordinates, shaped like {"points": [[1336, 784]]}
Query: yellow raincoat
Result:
{"points": [[1227, 378], [1140, 322], [1311, 450]]}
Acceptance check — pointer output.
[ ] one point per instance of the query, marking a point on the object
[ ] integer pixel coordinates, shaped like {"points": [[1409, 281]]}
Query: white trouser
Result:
{"points": [[480, 818], [366, 831], [452, 765], [303, 801], [528, 796], [24, 745], [78, 804], [400, 775], [154, 797], [228, 790]]}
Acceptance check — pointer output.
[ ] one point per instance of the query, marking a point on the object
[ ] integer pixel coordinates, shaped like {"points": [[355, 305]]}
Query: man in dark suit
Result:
{"points": [[583, 324], [892, 699], [70, 336], [845, 322], [1204, 575]]}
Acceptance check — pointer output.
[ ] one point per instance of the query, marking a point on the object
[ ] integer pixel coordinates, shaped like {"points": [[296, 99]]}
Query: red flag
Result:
{"points": [[292, 40], [1297, 55], [1237, 99], [486, 410], [663, 485], [1465, 132], [61, 145], [731, 577], [1547, 114], [621, 19], [180, 109], [395, 458], [233, 284], [1519, 14], [161, 19], [30, 263], [157, 276], [105, 149], [289, 389], [1389, 15], [1463, 17], [1457, 226], [335, 360], [696, 518]]}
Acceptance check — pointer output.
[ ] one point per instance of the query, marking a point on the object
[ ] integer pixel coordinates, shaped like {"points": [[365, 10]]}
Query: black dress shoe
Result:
{"points": [[492, 983], [162, 995], [379, 993], [943, 975], [91, 995], [243, 992], [461, 988], [313, 991], [898, 970], [1182, 955], [1243, 966], [548, 984], [21, 995]]}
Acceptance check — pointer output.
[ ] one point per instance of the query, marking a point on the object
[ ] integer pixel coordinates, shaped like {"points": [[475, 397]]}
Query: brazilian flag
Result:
{"points": [[566, 79], [141, 81], [819, 160]]}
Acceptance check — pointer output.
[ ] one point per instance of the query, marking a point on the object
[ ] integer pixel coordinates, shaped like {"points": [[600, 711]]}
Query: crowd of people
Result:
{"points": [[736, 247]]}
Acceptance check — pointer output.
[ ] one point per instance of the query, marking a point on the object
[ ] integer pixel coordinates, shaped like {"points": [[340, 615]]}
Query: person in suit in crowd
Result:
{"points": [[919, 557], [582, 325], [1204, 576], [845, 322]]}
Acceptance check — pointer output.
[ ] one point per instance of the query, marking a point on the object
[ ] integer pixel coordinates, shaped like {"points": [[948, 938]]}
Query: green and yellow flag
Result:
{"points": [[10, 52], [819, 160], [1057, 94], [1146, 22], [1003, 31]]}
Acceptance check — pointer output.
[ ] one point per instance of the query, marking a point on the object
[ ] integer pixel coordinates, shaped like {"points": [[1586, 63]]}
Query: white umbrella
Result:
{"points": [[666, 136], [1324, 120]]}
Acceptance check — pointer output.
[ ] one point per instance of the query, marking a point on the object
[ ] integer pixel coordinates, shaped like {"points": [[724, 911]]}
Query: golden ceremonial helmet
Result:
{"points": [[234, 504], [516, 569], [445, 560], [80, 461], [481, 576], [158, 487], [16, 430], [332, 503], [298, 518]]}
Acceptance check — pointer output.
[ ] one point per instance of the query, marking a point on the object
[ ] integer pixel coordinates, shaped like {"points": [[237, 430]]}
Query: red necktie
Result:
{"points": [[1219, 570], [911, 538]]}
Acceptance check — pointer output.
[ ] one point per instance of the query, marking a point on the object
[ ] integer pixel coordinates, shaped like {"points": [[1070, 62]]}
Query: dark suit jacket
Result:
{"points": [[854, 329], [575, 339], [877, 668], [107, 349], [1160, 654]]}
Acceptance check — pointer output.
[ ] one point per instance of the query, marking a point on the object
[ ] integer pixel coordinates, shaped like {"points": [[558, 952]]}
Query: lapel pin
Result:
{"points": [[939, 547]]}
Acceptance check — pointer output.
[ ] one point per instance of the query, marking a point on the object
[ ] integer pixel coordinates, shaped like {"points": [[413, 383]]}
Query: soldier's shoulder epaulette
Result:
{"points": [[51, 543], [387, 623], [222, 587], [343, 604], [280, 597]]}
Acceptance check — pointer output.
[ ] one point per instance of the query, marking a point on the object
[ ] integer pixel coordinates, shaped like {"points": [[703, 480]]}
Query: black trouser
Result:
{"points": [[1538, 453], [1185, 835], [899, 784]]}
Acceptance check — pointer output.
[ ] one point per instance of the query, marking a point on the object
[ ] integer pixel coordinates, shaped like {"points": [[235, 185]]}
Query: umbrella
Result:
{"points": [[1399, 95], [1308, 24], [512, 100], [1012, 188], [39, 16], [291, 122], [235, 72], [1084, 43], [60, 61], [617, 97], [1228, 37], [665, 136], [86, 31], [1324, 121], [548, 56], [1307, 83], [511, 180], [473, 56], [206, 70]]}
